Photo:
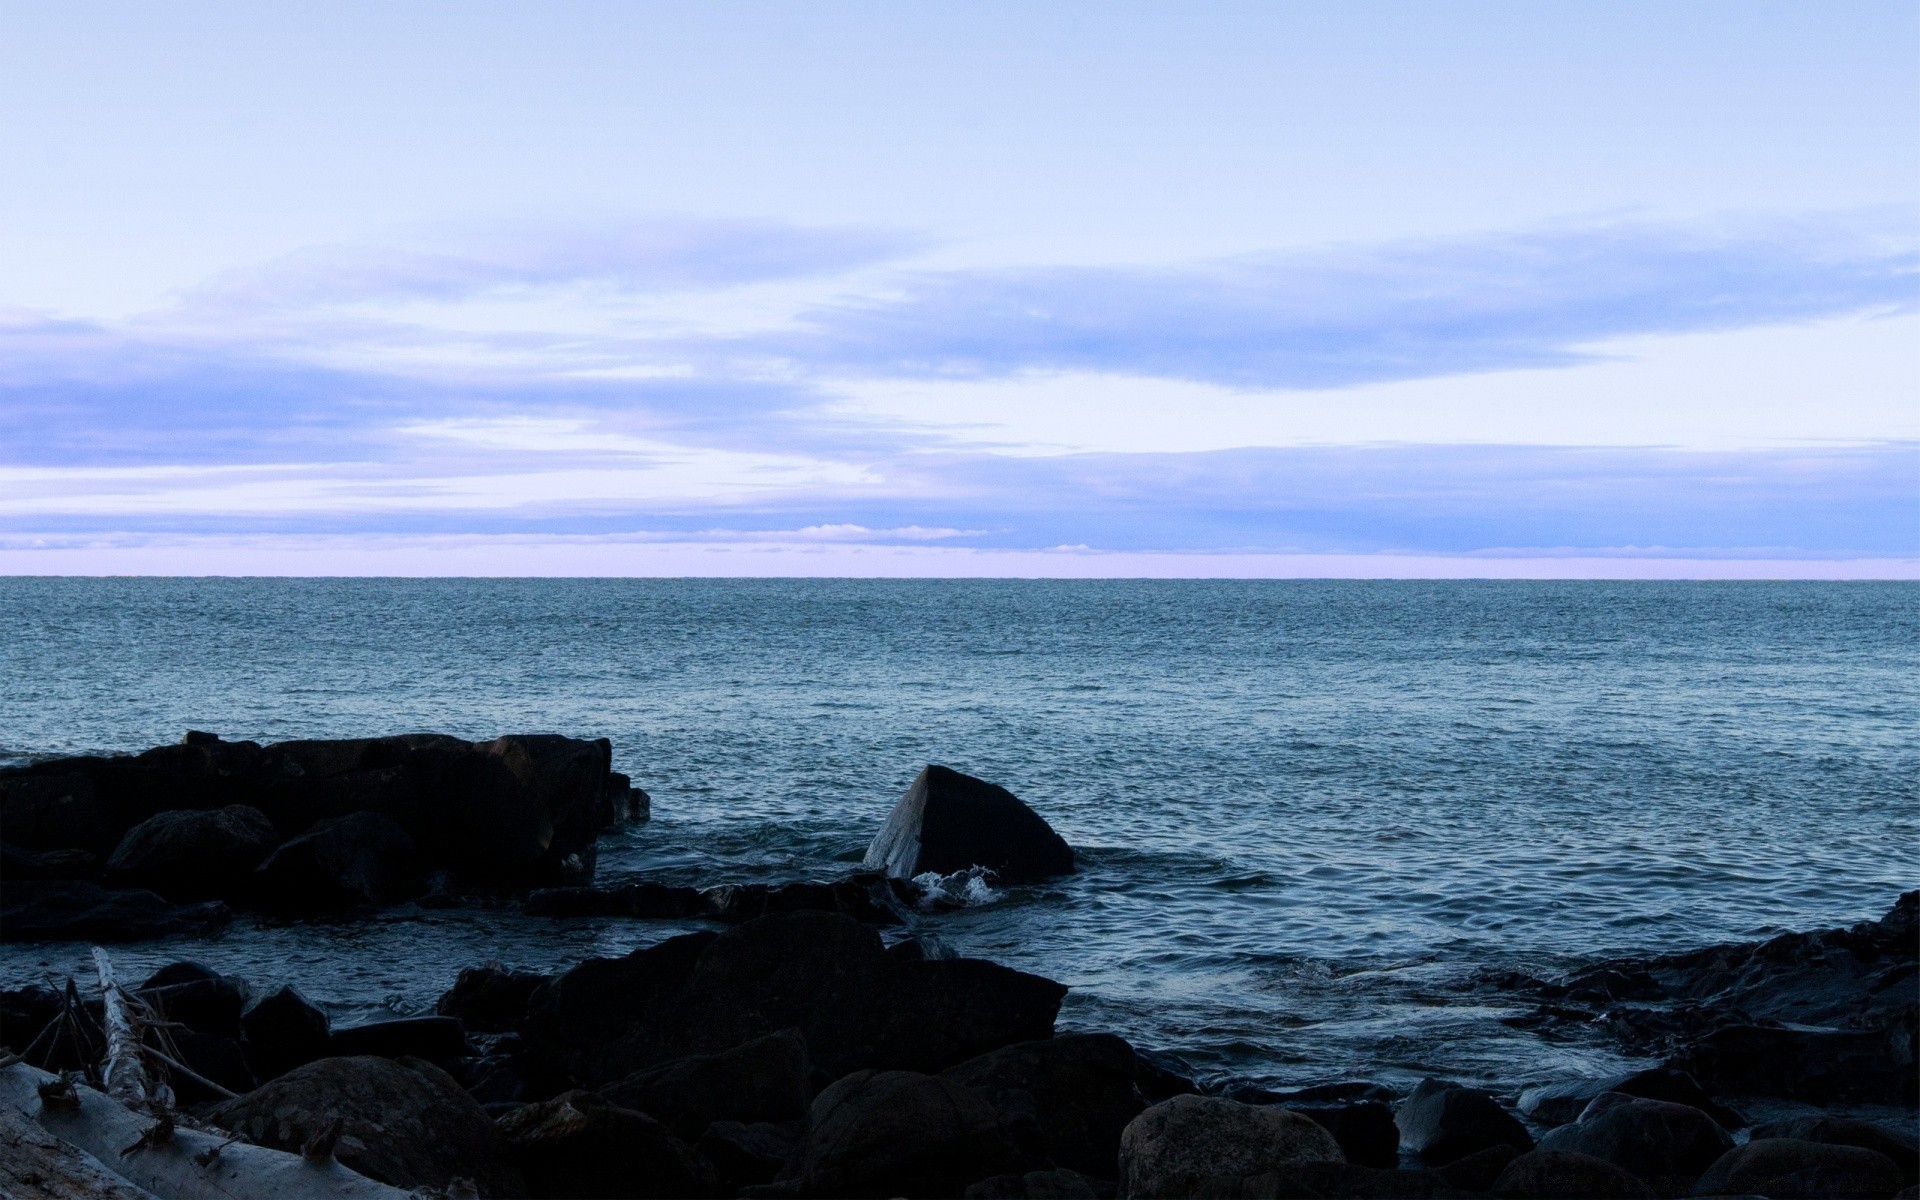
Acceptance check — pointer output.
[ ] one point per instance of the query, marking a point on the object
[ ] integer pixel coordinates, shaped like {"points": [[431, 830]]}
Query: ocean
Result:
{"points": [[1308, 814]]}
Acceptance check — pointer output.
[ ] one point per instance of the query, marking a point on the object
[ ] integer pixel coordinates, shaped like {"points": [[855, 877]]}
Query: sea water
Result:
{"points": [[1308, 814]]}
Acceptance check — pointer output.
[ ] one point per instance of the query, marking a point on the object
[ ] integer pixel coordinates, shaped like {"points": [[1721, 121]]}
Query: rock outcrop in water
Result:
{"points": [[949, 822]]}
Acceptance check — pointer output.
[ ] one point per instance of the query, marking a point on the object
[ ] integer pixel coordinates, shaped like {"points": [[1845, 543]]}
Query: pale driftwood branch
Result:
{"points": [[124, 1075], [184, 1071]]}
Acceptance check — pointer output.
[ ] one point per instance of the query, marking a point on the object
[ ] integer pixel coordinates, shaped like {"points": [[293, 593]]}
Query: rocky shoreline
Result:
{"points": [[802, 1046]]}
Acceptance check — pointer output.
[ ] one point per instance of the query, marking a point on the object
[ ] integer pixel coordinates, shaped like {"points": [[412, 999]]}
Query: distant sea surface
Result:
{"points": [[1306, 813]]}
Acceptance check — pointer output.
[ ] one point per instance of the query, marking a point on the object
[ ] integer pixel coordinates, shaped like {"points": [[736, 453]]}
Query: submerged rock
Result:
{"points": [[188, 855], [577, 1146], [1443, 1121], [73, 910], [406, 1123], [1178, 1146], [948, 822]]}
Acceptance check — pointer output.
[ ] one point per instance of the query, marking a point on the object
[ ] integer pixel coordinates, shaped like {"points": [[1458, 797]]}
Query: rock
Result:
{"points": [[1365, 1129], [197, 996], [361, 858], [17, 863], [823, 974], [1900, 1146], [578, 1146], [1562, 1103], [1328, 1179], [436, 1039], [1564, 1175], [745, 1155], [862, 900], [1175, 1147], [900, 1133], [1665, 1145], [1321, 1094], [214, 1057], [283, 1031], [647, 900], [1443, 1121], [1789, 1169], [949, 822], [405, 1123], [489, 999], [763, 1080], [188, 855], [1034, 1185], [1822, 1066], [24, 1012], [1084, 1089], [73, 910], [1478, 1171]]}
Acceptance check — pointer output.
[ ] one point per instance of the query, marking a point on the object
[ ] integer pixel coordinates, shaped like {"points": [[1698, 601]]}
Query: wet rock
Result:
{"points": [[361, 858], [1084, 1089], [1663, 1144], [1175, 1147], [1443, 1121], [1366, 1130], [1478, 1171], [190, 855], [949, 822], [197, 996], [577, 1146], [900, 1133], [823, 974], [490, 998], [406, 1123], [73, 910], [763, 1080], [1034, 1185], [283, 1031], [862, 899], [1823, 1066], [436, 1039], [745, 1155], [1789, 1169], [1322, 1093], [1562, 1103], [646, 900], [1565, 1175], [1900, 1146]]}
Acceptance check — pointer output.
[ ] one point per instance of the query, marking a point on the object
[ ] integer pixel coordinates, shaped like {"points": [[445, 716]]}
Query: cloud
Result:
{"points": [[1367, 314]]}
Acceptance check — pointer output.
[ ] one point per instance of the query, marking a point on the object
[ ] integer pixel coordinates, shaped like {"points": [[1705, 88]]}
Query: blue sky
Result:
{"points": [[960, 289]]}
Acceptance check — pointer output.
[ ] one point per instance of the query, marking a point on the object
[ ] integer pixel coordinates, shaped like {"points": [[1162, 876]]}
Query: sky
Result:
{"points": [[1374, 289]]}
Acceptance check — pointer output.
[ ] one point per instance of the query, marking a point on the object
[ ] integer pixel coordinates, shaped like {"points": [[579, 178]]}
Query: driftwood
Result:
{"points": [[189, 1165], [124, 1076], [35, 1165]]}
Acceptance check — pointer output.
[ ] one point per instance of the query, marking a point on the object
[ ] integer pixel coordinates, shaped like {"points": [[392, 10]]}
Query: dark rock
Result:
{"points": [[213, 1057], [283, 1031], [860, 899], [489, 999], [436, 1039], [949, 822], [647, 900], [404, 1123], [1665, 1145], [1900, 1146], [900, 1133], [1084, 1089], [1562, 1103], [1789, 1169], [191, 855], [1478, 1171], [1177, 1146], [1322, 1093], [821, 973], [1823, 1066], [1366, 1130], [1330, 1179], [745, 1155], [1443, 1121], [763, 1080], [45, 809], [1034, 1185], [577, 1146], [361, 858], [921, 947], [73, 910], [24, 1013], [1564, 1175], [18, 863], [197, 996]]}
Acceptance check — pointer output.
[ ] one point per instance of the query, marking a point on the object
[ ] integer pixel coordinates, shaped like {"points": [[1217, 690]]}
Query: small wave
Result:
{"points": [[971, 888]]}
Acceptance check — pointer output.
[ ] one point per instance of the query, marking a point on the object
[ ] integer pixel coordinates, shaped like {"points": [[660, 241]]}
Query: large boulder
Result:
{"points": [[198, 997], [1789, 1169], [764, 1080], [361, 858], [1565, 1175], [283, 1031], [436, 1039], [1176, 1147], [747, 1154], [406, 1123], [1665, 1145], [1085, 1092], [193, 855], [1899, 1145], [823, 974], [949, 822], [1562, 1103], [73, 910], [490, 998], [1442, 1121], [1366, 1130], [577, 1146], [900, 1133]]}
